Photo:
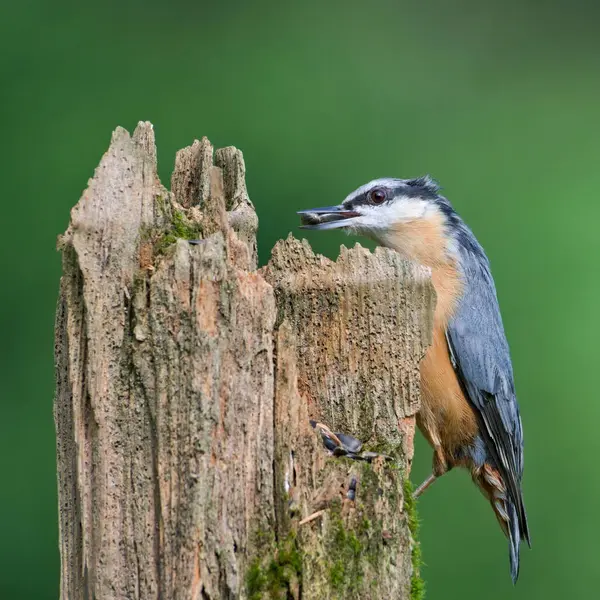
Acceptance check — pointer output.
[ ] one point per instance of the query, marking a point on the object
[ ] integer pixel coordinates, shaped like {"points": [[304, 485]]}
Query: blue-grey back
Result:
{"points": [[482, 359], [478, 338]]}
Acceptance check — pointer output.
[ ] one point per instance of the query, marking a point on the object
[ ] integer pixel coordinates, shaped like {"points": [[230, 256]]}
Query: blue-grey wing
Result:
{"points": [[481, 357]]}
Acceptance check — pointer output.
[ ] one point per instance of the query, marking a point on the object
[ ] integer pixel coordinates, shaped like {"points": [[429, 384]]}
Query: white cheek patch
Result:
{"points": [[397, 211]]}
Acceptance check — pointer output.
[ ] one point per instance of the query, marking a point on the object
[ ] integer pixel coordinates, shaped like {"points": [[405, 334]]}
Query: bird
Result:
{"points": [[469, 411]]}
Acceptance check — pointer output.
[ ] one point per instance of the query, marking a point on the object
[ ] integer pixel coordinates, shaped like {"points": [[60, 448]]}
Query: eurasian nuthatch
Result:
{"points": [[469, 412]]}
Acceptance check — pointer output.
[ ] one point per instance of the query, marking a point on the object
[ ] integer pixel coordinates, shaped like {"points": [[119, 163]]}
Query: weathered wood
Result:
{"points": [[187, 467], [350, 338], [190, 181]]}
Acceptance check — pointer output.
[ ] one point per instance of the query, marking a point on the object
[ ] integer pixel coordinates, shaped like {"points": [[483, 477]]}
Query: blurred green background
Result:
{"points": [[500, 101]]}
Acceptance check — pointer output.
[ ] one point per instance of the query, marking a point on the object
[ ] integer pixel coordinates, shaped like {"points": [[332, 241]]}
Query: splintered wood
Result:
{"points": [[186, 379]]}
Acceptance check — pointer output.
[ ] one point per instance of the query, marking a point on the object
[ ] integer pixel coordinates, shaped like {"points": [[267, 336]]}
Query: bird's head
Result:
{"points": [[408, 215]]}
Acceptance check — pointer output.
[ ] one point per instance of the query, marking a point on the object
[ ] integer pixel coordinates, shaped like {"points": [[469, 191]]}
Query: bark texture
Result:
{"points": [[187, 466]]}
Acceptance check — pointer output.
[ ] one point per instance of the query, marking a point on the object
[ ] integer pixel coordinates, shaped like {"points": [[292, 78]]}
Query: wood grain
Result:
{"points": [[185, 380]]}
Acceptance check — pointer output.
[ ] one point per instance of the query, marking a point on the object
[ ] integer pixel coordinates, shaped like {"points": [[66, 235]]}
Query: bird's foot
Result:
{"points": [[424, 485]]}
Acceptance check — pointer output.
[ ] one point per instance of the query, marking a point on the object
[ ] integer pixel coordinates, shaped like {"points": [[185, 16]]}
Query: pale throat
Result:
{"points": [[422, 240], [425, 242]]}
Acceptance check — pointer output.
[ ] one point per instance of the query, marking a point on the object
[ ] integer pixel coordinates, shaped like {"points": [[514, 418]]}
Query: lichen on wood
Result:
{"points": [[186, 378]]}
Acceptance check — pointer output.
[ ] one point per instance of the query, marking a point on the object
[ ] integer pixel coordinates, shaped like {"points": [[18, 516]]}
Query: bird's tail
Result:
{"points": [[490, 483], [514, 540]]}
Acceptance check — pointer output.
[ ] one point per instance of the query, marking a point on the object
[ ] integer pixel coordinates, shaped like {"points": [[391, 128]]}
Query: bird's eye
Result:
{"points": [[377, 196]]}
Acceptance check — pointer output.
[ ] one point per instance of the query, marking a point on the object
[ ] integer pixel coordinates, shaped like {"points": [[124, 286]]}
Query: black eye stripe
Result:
{"points": [[360, 200]]}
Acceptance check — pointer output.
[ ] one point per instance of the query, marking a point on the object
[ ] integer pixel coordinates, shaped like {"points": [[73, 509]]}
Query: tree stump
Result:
{"points": [[186, 381]]}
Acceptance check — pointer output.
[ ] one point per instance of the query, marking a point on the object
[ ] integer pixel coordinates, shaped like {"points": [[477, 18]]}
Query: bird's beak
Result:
{"points": [[328, 217]]}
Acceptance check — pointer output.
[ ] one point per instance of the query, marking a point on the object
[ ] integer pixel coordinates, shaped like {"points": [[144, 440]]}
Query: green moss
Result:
{"points": [[273, 577], [181, 228], [344, 555], [256, 581], [354, 550], [184, 228], [163, 242], [354, 547], [417, 585]]}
